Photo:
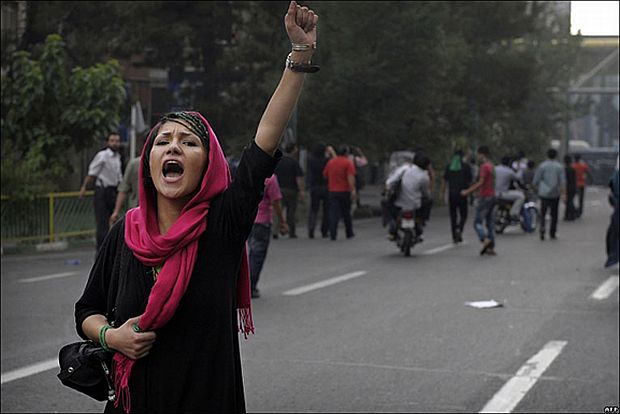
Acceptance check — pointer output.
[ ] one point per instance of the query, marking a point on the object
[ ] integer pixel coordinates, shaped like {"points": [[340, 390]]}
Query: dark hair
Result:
{"points": [[190, 120], [484, 150], [520, 154], [577, 157], [506, 160], [318, 150], [342, 150], [110, 134], [568, 159], [290, 147], [459, 152], [421, 160], [551, 153], [530, 164]]}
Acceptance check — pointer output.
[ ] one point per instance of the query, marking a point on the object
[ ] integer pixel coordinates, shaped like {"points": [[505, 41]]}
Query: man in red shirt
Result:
{"points": [[581, 170], [340, 174], [486, 201]]}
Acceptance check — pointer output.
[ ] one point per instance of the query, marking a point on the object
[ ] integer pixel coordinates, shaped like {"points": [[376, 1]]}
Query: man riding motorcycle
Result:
{"points": [[414, 183], [504, 177]]}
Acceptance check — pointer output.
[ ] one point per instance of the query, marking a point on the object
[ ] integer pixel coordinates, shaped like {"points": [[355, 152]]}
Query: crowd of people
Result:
{"points": [[513, 181]]}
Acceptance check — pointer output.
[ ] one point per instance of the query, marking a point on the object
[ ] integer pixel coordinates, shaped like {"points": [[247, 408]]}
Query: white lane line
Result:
{"points": [[48, 277], [305, 289], [441, 248], [606, 289], [30, 370], [507, 398]]}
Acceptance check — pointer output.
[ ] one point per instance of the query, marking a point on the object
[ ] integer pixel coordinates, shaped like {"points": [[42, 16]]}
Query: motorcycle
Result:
{"points": [[407, 235], [528, 218]]}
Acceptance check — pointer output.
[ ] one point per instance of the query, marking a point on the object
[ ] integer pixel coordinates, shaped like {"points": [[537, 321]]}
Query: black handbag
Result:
{"points": [[86, 367]]}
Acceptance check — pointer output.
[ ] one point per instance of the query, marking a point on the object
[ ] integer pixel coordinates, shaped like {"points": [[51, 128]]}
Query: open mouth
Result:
{"points": [[172, 169]]}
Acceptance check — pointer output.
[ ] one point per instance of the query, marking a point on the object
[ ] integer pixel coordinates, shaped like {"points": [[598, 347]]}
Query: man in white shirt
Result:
{"points": [[105, 170], [415, 184], [504, 176]]}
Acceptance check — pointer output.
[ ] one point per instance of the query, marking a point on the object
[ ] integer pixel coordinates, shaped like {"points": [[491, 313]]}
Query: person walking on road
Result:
{"points": [[105, 170], [550, 180], [485, 203], [258, 242], [170, 286], [127, 188], [570, 213], [291, 180], [340, 174], [361, 164], [458, 177], [611, 238], [319, 157], [581, 171]]}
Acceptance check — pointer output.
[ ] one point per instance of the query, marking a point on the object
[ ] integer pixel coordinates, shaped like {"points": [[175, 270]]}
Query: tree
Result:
{"points": [[48, 111]]}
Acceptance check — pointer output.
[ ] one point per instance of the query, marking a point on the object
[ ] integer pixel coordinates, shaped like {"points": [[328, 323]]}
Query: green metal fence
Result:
{"points": [[51, 217]]}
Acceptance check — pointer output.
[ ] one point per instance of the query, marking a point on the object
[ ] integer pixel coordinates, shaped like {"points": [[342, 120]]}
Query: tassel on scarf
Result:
{"points": [[246, 324], [121, 366]]}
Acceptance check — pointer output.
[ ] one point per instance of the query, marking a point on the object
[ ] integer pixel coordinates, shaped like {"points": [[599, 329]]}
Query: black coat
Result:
{"points": [[194, 365]]}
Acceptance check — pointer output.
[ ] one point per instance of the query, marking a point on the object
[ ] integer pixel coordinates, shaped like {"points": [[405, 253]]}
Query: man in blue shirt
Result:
{"points": [[550, 181]]}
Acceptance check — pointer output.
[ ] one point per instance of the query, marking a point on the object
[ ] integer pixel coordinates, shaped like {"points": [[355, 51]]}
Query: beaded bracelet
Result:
{"points": [[102, 340]]}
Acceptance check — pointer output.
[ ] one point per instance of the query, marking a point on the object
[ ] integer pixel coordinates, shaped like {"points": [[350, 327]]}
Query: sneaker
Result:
{"points": [[486, 246], [553, 237], [255, 293], [275, 236], [611, 262], [491, 252], [542, 236]]}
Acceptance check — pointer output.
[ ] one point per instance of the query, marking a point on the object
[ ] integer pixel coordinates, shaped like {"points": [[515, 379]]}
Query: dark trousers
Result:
{"points": [[570, 213], [340, 206], [611, 239], [104, 200], [318, 196], [289, 204], [458, 206], [258, 242], [551, 204], [580, 192]]}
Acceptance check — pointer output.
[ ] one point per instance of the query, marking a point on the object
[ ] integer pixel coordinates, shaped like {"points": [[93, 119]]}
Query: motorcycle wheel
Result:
{"points": [[501, 220], [407, 242], [533, 213]]}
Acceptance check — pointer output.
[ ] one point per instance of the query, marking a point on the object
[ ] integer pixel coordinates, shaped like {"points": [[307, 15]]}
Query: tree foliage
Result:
{"points": [[49, 110], [394, 75]]}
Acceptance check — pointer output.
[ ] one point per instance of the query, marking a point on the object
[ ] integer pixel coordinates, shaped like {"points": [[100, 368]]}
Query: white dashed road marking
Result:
{"points": [[507, 398], [606, 289], [29, 370], [48, 277], [324, 283]]}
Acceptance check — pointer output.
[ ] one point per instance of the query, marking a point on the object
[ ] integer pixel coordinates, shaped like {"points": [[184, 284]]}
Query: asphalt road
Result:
{"points": [[354, 326]]}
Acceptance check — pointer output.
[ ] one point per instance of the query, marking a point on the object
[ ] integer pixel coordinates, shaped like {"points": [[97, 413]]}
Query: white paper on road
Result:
{"points": [[484, 304]]}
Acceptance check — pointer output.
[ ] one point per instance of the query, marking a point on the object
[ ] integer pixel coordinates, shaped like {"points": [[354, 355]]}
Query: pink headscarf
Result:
{"points": [[177, 250]]}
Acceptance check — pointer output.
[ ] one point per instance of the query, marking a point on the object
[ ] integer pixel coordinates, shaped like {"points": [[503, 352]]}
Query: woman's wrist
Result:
{"points": [[104, 338], [302, 57]]}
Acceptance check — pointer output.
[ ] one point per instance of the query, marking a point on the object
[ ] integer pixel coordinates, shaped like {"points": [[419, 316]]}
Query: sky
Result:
{"points": [[594, 18]]}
